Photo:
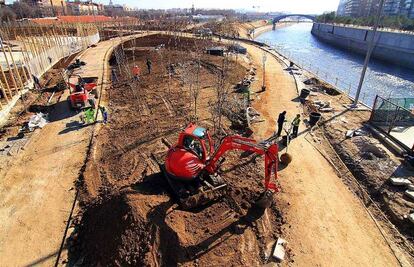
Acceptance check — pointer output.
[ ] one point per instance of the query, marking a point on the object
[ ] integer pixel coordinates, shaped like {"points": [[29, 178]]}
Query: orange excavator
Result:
{"points": [[191, 166]]}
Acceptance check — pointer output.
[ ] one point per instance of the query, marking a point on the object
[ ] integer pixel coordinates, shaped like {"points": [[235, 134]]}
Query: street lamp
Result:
{"points": [[264, 58], [368, 55]]}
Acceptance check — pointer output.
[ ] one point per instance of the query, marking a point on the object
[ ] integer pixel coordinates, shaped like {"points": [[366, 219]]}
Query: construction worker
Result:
{"points": [[295, 124], [36, 83], [104, 114], [88, 115], [136, 71], [280, 121], [114, 78], [149, 64]]}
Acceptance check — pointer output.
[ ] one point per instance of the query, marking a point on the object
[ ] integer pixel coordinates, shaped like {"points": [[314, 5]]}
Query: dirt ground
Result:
{"points": [[367, 159], [37, 182], [127, 216], [34, 101], [125, 197], [37, 188], [326, 223], [245, 28]]}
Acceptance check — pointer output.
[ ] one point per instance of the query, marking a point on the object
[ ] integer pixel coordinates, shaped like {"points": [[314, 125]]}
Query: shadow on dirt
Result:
{"points": [[237, 227], [169, 247], [73, 126], [115, 229], [61, 111]]}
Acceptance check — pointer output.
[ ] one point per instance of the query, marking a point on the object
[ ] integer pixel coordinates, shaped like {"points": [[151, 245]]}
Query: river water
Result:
{"points": [[338, 66]]}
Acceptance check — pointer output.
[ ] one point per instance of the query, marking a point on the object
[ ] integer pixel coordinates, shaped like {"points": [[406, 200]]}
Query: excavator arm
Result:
{"points": [[250, 145]]}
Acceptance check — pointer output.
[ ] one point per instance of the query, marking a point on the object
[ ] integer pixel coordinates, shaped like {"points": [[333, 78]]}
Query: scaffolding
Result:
{"points": [[27, 51]]}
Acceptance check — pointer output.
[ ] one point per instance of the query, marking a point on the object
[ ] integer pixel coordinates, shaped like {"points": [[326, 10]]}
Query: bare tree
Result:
{"points": [[222, 92], [190, 71], [23, 9], [7, 14]]}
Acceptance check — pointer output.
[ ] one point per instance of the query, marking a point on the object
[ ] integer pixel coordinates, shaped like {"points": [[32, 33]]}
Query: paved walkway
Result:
{"points": [[37, 191]]}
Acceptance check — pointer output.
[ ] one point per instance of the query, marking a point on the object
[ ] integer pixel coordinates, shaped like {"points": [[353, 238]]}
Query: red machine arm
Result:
{"points": [[246, 144]]}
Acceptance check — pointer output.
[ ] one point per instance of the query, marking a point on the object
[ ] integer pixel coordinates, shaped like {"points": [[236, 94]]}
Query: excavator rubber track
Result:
{"points": [[207, 192]]}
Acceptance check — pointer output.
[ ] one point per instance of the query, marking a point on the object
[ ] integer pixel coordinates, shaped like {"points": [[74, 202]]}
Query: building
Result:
{"points": [[353, 8], [115, 9], [84, 8], [392, 7], [50, 7], [411, 11], [341, 8], [215, 51], [357, 8], [365, 8], [399, 7], [2, 2], [407, 8]]}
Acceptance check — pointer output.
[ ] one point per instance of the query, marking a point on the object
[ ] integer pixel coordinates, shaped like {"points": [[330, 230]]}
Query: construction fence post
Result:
{"points": [[373, 109]]}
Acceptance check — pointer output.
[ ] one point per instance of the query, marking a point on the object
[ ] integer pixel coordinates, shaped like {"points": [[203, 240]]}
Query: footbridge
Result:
{"points": [[278, 18]]}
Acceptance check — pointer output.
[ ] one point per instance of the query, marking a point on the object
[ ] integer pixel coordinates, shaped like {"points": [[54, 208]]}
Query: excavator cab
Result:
{"points": [[196, 140], [193, 145]]}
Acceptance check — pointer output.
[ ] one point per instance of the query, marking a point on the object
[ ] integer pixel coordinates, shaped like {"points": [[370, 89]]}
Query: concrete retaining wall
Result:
{"points": [[392, 47]]}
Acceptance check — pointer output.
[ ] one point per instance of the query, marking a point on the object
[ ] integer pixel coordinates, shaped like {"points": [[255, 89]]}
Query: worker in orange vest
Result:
{"points": [[136, 71]]}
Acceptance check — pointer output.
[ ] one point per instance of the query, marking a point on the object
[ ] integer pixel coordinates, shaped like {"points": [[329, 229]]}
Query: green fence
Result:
{"points": [[393, 118], [406, 102]]}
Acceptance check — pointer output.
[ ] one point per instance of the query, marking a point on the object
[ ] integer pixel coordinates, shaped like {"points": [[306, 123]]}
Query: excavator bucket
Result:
{"points": [[203, 198], [265, 200], [207, 192]]}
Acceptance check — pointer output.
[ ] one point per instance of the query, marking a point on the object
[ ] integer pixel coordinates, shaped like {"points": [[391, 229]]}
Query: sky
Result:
{"points": [[293, 6]]}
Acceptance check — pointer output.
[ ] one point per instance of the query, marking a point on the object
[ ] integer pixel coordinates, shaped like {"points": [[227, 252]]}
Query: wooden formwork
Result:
{"points": [[28, 50]]}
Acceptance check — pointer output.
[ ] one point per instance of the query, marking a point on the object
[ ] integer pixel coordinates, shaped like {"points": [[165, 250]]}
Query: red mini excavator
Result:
{"points": [[83, 93], [191, 166]]}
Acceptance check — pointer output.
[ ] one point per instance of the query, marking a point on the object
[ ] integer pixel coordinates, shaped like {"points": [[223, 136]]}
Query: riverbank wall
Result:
{"points": [[266, 28], [392, 47]]}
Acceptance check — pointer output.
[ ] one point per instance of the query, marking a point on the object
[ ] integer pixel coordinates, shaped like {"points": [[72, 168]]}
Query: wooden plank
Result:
{"points": [[9, 67], [6, 82], [16, 69]]}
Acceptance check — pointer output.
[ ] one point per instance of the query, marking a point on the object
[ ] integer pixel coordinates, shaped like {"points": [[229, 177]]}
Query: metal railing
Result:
{"points": [[324, 75], [383, 29]]}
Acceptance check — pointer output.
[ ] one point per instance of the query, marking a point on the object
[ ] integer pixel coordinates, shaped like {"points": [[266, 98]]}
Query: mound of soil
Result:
{"points": [[322, 86], [111, 233]]}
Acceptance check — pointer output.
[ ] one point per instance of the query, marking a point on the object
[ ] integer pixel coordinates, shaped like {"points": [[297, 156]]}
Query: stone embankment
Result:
{"points": [[392, 47]]}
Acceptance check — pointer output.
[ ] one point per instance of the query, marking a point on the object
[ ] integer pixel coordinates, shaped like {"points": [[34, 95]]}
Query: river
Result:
{"points": [[338, 66]]}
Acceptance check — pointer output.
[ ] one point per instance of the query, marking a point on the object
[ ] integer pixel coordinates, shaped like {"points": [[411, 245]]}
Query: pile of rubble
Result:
{"points": [[409, 191], [249, 78]]}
